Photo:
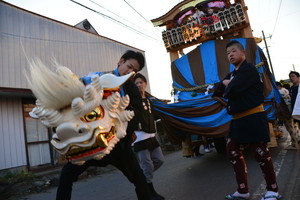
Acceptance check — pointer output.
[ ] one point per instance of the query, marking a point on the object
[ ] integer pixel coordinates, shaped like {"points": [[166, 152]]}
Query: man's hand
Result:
{"points": [[226, 82], [166, 101]]}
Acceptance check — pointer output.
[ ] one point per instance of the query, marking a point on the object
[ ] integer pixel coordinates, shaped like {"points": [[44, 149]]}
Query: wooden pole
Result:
{"points": [[173, 55], [246, 32], [268, 54]]}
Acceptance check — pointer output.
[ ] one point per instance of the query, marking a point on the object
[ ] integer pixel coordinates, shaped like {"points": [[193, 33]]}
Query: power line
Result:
{"points": [[277, 17], [143, 16], [138, 12], [110, 11], [116, 21], [119, 16]]}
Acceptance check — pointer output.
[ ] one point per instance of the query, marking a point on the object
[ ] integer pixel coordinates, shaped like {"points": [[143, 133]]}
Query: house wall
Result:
{"points": [[26, 35], [12, 145]]}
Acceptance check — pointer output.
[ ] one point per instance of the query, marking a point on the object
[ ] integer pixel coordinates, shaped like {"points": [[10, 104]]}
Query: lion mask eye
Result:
{"points": [[94, 115]]}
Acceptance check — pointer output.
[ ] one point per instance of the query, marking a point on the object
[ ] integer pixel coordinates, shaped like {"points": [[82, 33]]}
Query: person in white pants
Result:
{"points": [[146, 145]]}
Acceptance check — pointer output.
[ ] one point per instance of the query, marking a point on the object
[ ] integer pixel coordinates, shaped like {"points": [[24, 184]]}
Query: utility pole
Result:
{"points": [[268, 54]]}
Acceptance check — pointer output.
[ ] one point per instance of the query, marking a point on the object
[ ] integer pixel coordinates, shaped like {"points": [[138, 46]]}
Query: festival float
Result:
{"points": [[210, 25]]}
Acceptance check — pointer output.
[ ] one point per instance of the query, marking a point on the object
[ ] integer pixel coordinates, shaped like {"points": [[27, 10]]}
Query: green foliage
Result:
{"points": [[17, 176]]}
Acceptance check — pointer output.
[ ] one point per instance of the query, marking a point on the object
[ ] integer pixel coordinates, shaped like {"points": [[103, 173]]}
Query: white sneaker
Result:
{"points": [[238, 196], [270, 195], [291, 147], [207, 150]]}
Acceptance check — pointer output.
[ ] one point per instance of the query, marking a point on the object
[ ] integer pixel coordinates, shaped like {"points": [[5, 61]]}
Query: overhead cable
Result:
{"points": [[116, 21], [277, 17], [119, 16], [138, 12]]}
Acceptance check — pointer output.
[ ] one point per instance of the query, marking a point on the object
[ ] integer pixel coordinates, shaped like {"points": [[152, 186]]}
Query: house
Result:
{"points": [[24, 141]]}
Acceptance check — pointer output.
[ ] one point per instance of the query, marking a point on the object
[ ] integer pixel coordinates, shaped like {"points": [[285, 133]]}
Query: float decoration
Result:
{"points": [[196, 21]]}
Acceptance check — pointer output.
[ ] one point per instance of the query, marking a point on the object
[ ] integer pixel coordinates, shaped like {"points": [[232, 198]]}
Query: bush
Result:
{"points": [[17, 176]]}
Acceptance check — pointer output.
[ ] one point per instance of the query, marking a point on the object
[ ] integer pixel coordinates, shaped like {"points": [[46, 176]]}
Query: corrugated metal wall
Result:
{"points": [[12, 145], [27, 34]]}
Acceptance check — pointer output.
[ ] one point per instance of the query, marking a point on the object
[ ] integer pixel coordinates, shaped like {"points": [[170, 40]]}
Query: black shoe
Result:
{"points": [[153, 194], [196, 151], [196, 154], [157, 197]]}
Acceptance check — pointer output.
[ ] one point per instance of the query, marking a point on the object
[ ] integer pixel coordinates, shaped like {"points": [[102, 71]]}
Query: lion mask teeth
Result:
{"points": [[102, 142]]}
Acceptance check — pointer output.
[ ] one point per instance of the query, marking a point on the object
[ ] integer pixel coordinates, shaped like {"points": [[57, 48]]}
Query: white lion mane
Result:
{"points": [[54, 90]]}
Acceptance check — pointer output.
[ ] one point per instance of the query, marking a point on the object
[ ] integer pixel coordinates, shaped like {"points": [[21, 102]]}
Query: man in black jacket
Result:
{"points": [[294, 78], [122, 156], [244, 90]]}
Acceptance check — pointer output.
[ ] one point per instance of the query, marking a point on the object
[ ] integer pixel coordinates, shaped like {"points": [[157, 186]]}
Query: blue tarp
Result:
{"points": [[206, 65]]}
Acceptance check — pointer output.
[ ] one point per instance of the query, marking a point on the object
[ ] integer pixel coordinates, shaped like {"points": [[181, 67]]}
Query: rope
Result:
{"points": [[203, 86], [259, 64], [191, 88]]}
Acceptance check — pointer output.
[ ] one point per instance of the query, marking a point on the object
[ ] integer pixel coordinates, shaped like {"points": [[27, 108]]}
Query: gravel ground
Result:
{"points": [[41, 182]]}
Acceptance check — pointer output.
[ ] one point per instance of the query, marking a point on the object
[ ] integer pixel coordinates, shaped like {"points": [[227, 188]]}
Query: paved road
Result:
{"points": [[208, 177]]}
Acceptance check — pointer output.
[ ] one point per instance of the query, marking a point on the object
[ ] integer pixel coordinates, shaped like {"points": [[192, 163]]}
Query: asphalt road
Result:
{"points": [[209, 177]]}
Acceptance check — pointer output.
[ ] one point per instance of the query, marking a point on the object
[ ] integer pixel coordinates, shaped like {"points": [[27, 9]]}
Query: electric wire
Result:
{"points": [[117, 21], [155, 28], [137, 12], [276, 18], [121, 17]]}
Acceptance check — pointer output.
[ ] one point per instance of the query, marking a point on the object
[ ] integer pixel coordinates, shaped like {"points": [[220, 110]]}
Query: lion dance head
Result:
{"points": [[86, 121]]}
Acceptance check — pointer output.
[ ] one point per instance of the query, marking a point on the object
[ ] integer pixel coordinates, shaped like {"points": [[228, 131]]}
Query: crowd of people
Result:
{"points": [[289, 94], [139, 154]]}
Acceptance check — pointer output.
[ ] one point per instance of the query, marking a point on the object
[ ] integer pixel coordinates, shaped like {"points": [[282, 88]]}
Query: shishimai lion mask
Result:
{"points": [[87, 121]]}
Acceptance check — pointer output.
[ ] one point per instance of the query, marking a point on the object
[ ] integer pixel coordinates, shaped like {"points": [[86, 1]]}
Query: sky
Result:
{"points": [[128, 21]]}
